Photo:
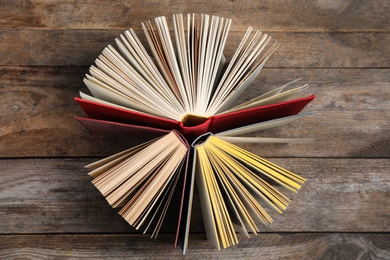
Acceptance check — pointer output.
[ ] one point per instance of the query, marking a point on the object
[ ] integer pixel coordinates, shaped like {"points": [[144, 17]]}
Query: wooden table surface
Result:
{"points": [[48, 207]]}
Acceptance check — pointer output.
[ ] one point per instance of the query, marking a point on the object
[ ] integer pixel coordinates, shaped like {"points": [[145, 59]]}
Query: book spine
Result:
{"points": [[193, 132]]}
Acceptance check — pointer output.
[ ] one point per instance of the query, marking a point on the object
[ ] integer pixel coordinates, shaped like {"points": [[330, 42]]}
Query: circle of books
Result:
{"points": [[178, 92]]}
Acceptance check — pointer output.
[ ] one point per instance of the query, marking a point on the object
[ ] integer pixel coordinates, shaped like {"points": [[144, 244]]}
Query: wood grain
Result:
{"points": [[50, 210], [47, 47], [56, 196], [263, 246], [352, 120], [297, 15]]}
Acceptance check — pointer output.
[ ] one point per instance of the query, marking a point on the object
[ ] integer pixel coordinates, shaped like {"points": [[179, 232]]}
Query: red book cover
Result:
{"points": [[213, 124], [122, 115]]}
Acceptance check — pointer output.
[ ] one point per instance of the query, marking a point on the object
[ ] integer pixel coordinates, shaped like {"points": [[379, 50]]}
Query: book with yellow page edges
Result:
{"points": [[177, 90]]}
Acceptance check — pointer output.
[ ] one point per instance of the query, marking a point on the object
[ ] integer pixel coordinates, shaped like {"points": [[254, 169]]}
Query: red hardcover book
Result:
{"points": [[213, 124]]}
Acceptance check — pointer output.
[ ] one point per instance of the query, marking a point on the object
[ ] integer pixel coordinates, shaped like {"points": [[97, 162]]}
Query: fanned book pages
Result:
{"points": [[177, 89]]}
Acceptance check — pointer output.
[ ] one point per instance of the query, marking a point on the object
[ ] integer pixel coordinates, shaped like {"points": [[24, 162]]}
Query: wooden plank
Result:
{"points": [[56, 196], [264, 246], [37, 109], [49, 208], [269, 15], [42, 47]]}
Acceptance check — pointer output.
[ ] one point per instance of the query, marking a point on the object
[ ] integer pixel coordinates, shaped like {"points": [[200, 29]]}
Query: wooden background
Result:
{"points": [[48, 207]]}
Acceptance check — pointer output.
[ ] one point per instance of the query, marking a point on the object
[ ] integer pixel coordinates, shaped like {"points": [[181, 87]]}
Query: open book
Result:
{"points": [[179, 93]]}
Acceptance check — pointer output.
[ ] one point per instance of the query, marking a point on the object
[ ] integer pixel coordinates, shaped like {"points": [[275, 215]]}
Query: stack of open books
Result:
{"points": [[178, 92]]}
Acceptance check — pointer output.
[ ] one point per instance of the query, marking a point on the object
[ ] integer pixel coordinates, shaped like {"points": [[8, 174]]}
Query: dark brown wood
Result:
{"points": [[263, 246], [48, 207], [42, 47], [56, 196], [269, 15]]}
